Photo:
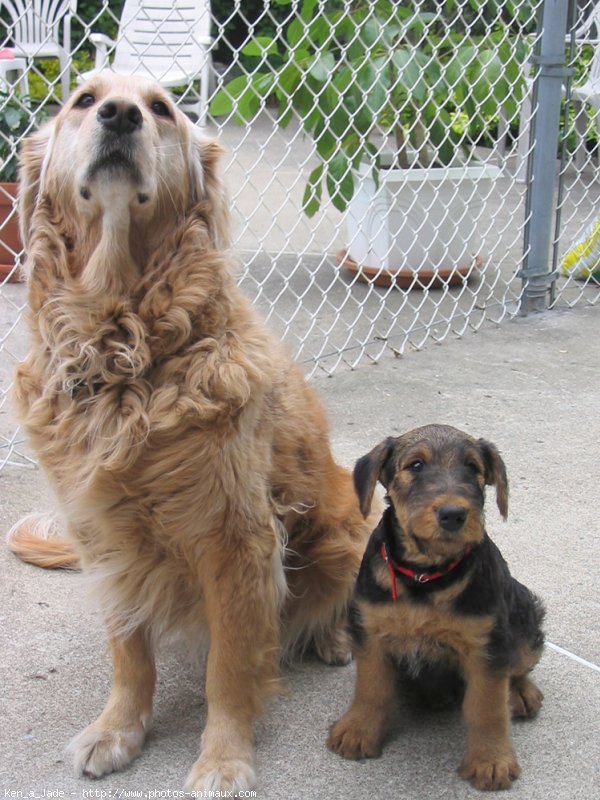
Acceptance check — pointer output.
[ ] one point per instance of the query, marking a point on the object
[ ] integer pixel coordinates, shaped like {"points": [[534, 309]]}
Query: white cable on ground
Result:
{"points": [[573, 656]]}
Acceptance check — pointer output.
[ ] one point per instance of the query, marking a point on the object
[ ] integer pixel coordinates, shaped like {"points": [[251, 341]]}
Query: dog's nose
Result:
{"points": [[451, 518], [120, 117]]}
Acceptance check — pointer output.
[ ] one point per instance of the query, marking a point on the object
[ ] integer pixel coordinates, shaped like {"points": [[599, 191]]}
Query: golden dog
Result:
{"points": [[189, 456]]}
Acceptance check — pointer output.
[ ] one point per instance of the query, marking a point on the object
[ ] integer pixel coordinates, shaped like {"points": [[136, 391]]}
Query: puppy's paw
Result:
{"points": [[220, 775], [355, 737], [493, 773], [333, 646], [99, 750], [525, 700]]}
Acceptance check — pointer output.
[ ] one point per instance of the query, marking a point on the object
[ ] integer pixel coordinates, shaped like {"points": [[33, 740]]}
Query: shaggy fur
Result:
{"points": [[435, 604], [190, 459]]}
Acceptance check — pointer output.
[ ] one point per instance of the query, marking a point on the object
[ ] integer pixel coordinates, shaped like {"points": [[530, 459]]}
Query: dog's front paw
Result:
{"points": [[354, 736], [525, 700], [496, 772], [333, 646], [220, 775], [99, 749]]}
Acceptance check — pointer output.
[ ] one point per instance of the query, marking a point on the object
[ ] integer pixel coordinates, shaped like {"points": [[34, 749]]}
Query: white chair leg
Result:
{"points": [[580, 117], [4, 82], [65, 76], [23, 83], [501, 139], [204, 92], [596, 111], [523, 139]]}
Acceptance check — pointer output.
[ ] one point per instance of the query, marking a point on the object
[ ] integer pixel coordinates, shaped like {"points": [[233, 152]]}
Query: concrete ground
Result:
{"points": [[531, 386]]}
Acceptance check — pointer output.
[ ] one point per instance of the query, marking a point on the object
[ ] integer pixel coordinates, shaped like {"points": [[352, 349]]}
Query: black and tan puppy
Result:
{"points": [[435, 601]]}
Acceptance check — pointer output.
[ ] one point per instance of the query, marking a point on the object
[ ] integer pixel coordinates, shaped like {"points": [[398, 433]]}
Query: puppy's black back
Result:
{"points": [[517, 611]]}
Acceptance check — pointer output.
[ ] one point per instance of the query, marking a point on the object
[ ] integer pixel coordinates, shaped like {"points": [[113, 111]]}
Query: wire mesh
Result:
{"points": [[340, 120]]}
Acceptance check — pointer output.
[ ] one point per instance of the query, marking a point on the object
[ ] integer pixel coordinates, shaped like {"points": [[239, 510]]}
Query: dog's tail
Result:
{"points": [[34, 540]]}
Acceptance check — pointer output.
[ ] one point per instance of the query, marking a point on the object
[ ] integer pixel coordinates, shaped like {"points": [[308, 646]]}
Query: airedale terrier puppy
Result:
{"points": [[435, 603]]}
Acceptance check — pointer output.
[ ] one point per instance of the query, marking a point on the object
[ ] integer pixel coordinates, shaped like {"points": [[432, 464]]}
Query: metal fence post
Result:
{"points": [[549, 60]]}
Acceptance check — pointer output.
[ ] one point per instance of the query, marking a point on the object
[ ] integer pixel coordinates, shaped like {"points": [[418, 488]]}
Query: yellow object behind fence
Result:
{"points": [[582, 260]]}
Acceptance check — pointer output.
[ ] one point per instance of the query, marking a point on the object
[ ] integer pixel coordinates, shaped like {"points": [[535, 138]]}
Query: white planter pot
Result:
{"points": [[418, 221]]}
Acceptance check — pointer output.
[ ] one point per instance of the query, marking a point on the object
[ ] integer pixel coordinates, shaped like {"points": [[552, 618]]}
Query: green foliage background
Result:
{"points": [[235, 31]]}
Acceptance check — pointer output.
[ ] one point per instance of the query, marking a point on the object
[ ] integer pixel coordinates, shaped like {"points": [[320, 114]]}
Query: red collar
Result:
{"points": [[418, 577]]}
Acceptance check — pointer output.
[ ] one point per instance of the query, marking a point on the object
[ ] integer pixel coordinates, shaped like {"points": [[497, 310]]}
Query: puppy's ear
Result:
{"points": [[33, 157], [367, 471], [495, 474], [206, 183]]}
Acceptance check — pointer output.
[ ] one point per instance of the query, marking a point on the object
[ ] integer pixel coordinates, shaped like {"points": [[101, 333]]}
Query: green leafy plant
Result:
{"points": [[425, 75], [98, 16], [16, 121], [44, 79]]}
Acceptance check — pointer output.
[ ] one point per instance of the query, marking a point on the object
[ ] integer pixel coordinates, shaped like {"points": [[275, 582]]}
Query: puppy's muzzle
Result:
{"points": [[451, 518], [120, 118]]}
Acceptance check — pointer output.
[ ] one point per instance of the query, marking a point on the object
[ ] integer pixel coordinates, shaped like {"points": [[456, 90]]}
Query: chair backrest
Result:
{"points": [[594, 73], [36, 21], [160, 35], [590, 23], [589, 32]]}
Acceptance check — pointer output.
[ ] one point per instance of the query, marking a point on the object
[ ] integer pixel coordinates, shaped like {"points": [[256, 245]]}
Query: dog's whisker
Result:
{"points": [[302, 508], [168, 191], [289, 568], [174, 146]]}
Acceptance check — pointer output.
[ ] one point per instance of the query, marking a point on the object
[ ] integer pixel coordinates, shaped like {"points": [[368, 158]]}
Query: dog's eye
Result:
{"points": [[85, 101], [160, 109], [416, 465]]}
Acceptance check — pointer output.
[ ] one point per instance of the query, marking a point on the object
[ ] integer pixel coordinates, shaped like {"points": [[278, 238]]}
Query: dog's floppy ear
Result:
{"points": [[207, 184], [367, 471], [495, 474], [33, 157]]}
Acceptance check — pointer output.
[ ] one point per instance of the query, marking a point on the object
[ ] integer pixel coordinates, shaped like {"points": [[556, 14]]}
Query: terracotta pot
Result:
{"points": [[409, 279], [10, 241]]}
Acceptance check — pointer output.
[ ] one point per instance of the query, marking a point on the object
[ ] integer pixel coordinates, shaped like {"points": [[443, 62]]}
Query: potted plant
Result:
{"points": [[395, 97], [16, 120]]}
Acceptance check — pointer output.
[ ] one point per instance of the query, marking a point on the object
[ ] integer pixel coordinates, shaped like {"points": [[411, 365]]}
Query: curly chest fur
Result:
{"points": [[429, 631], [105, 380]]}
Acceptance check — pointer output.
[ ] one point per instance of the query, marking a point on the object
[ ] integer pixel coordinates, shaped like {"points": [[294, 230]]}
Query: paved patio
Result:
{"points": [[531, 386]]}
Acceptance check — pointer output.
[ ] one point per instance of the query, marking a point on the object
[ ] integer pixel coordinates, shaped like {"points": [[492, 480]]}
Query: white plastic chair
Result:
{"points": [[588, 92], [13, 72], [34, 30], [582, 95], [166, 41]]}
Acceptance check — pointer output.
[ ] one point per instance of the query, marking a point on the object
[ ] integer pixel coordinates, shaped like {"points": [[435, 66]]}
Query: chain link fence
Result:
{"points": [[377, 154]]}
